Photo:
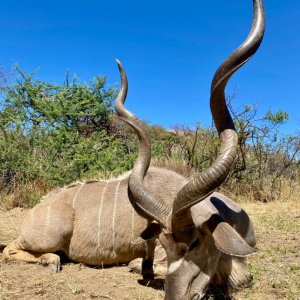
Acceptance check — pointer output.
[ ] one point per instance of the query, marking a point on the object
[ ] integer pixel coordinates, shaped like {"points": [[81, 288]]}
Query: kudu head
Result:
{"points": [[193, 239]]}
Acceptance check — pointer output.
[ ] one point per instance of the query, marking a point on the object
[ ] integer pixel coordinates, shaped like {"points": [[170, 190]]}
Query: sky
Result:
{"points": [[170, 50]]}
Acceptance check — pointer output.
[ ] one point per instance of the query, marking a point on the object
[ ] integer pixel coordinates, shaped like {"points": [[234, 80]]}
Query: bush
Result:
{"points": [[55, 134], [51, 135]]}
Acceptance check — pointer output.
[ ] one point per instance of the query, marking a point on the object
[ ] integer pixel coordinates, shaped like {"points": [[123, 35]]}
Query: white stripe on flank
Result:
{"points": [[47, 220], [114, 218], [174, 266], [100, 213], [75, 197]]}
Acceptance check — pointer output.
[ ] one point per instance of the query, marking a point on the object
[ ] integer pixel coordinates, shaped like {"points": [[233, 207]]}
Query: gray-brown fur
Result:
{"points": [[205, 235], [93, 222], [230, 272], [199, 229], [79, 220], [85, 233]]}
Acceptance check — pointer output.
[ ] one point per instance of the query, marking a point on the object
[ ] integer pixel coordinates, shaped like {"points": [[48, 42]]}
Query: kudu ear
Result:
{"points": [[151, 232], [228, 241]]}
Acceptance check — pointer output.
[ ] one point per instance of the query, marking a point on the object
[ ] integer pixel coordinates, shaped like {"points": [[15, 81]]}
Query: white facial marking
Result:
{"points": [[175, 265]]}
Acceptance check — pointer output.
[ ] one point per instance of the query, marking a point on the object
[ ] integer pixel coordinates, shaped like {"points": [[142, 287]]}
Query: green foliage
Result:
{"points": [[266, 158], [196, 148], [51, 135], [57, 133], [32, 105], [276, 118]]}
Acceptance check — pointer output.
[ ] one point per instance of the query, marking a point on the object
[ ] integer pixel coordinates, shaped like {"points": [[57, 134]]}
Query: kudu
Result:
{"points": [[204, 234]]}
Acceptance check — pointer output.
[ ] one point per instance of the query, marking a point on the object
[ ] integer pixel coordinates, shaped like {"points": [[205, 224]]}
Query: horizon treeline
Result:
{"points": [[52, 135]]}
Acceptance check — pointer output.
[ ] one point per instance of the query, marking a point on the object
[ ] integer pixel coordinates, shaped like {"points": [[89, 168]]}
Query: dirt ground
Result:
{"points": [[275, 268]]}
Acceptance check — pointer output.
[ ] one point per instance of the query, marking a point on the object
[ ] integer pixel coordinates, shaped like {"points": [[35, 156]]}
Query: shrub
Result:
{"points": [[51, 135]]}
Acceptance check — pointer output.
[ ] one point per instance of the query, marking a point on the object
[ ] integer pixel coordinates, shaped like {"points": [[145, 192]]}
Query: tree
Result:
{"points": [[266, 156], [56, 134]]}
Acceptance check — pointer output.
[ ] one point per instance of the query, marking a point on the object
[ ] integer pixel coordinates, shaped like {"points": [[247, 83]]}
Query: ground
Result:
{"points": [[275, 267]]}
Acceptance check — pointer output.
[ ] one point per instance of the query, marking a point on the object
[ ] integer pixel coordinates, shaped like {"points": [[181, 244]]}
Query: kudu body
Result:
{"points": [[94, 222], [204, 234]]}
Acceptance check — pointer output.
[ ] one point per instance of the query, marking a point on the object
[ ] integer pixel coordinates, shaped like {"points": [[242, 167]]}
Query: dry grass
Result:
{"points": [[23, 281], [275, 268], [22, 195], [285, 190]]}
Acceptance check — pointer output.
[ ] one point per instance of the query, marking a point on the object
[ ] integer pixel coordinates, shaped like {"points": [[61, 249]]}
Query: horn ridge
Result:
{"points": [[153, 206], [204, 184]]}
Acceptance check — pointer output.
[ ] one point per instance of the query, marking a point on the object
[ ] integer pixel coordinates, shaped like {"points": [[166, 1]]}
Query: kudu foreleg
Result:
{"points": [[147, 262]]}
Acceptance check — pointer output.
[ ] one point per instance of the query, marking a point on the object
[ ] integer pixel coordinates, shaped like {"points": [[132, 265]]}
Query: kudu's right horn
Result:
{"points": [[202, 185]]}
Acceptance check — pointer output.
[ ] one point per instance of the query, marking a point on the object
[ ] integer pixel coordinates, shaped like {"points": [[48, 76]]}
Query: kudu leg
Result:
{"points": [[13, 253], [147, 263], [144, 265], [155, 263]]}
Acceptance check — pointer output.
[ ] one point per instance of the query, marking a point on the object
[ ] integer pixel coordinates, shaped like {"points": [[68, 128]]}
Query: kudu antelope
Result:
{"points": [[204, 234]]}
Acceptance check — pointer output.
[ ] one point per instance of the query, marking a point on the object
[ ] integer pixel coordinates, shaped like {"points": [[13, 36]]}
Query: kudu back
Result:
{"points": [[204, 234]]}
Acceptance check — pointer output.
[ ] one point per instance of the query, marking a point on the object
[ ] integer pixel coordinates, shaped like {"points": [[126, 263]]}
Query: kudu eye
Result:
{"points": [[194, 244]]}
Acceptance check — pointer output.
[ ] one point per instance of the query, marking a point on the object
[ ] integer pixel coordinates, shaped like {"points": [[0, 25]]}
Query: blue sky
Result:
{"points": [[170, 50]]}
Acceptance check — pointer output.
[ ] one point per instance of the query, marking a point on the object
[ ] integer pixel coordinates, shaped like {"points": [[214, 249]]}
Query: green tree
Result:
{"points": [[57, 134], [266, 156]]}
